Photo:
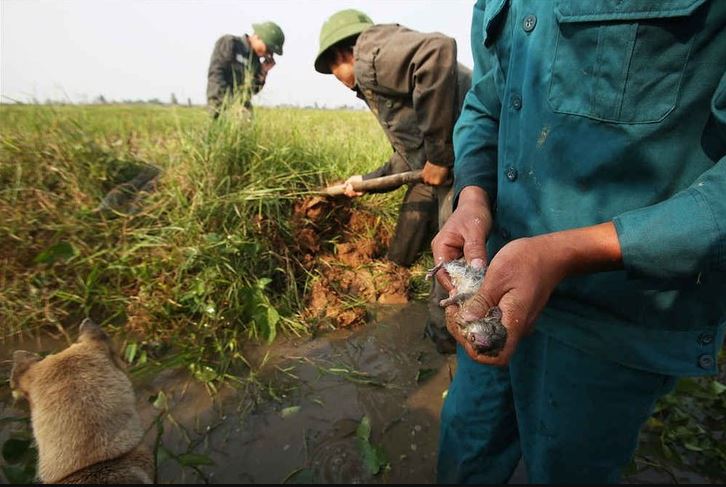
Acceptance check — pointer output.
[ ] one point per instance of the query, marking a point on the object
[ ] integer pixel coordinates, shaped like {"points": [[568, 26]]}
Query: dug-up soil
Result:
{"points": [[343, 248]]}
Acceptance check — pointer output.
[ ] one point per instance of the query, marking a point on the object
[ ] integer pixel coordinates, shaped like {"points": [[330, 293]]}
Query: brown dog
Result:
{"points": [[83, 413]]}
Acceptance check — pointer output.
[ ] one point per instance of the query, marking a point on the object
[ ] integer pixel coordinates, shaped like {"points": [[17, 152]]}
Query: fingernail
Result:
{"points": [[477, 263]]}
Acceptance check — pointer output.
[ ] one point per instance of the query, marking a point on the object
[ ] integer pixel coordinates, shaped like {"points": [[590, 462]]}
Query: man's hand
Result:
{"points": [[268, 64], [349, 191], [434, 175], [525, 272], [464, 233]]}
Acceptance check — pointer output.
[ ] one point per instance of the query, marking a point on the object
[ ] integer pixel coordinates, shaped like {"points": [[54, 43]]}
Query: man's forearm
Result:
{"points": [[585, 250], [579, 251]]}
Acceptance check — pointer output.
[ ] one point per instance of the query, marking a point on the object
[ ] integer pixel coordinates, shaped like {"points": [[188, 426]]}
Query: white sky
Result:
{"points": [[75, 50]]}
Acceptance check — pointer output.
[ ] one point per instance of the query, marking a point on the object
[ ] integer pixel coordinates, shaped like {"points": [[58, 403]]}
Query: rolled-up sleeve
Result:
{"points": [[685, 234]]}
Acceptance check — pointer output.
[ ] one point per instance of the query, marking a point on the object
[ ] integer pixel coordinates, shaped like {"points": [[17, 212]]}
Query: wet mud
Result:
{"points": [[343, 248], [296, 417]]}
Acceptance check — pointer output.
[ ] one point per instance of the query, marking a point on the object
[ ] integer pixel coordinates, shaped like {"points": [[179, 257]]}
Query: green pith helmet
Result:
{"points": [[339, 26], [271, 34]]}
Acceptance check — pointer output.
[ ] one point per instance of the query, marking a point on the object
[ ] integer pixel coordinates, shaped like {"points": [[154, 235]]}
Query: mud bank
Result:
{"points": [[343, 247]]}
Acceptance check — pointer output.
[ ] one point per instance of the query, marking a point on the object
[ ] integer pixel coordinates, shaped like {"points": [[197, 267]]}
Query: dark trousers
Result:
{"points": [[416, 225], [423, 212], [572, 417]]}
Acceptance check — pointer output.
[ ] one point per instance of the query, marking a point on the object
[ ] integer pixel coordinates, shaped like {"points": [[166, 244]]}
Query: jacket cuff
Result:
{"points": [[439, 153], [461, 183], [670, 239]]}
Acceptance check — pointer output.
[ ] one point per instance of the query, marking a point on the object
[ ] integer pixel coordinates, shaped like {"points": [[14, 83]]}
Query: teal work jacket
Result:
{"points": [[583, 112]]}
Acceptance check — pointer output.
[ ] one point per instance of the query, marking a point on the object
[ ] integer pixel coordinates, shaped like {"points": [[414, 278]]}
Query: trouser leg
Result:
{"points": [[436, 327], [579, 416], [445, 201], [478, 440], [413, 228], [436, 324]]}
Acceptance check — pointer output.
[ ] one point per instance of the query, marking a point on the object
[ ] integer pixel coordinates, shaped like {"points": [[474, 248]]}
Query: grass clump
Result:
{"points": [[202, 262]]}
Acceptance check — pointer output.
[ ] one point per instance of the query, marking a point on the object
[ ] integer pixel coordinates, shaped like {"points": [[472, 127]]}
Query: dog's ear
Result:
{"points": [[22, 361], [90, 331]]}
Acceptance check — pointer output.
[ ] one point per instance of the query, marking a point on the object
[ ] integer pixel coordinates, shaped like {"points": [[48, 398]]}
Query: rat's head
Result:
{"points": [[487, 335], [479, 340]]}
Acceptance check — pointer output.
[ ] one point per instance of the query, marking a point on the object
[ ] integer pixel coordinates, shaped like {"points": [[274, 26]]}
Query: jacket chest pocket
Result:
{"points": [[620, 61]]}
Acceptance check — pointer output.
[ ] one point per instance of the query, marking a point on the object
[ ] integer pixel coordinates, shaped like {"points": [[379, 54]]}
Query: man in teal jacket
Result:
{"points": [[590, 156]]}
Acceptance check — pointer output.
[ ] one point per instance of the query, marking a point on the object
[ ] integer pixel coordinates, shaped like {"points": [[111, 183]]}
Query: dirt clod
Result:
{"points": [[343, 247]]}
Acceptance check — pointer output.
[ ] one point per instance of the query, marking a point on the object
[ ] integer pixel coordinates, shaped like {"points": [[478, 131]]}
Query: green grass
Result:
{"points": [[204, 264]]}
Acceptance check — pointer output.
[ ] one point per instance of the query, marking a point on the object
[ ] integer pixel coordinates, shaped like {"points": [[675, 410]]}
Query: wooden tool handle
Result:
{"points": [[383, 183]]}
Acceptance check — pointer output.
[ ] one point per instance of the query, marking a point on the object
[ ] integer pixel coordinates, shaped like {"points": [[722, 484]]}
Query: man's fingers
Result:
{"points": [[475, 308], [350, 192], [475, 248], [451, 313], [443, 277], [434, 175], [514, 319], [446, 246]]}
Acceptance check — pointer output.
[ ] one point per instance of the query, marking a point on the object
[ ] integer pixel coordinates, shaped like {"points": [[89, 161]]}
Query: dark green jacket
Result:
{"points": [[584, 112], [414, 86], [233, 62]]}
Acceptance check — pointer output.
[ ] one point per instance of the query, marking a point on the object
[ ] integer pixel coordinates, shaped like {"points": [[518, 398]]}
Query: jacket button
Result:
{"points": [[504, 233], [512, 174], [389, 103], [516, 102], [705, 361], [529, 22], [705, 339]]}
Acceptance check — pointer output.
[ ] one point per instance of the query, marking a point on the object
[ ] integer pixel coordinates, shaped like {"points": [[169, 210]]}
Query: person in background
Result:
{"points": [[239, 65], [413, 84], [590, 176]]}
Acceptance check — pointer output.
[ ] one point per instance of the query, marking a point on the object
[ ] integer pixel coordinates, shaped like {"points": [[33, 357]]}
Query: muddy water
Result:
{"points": [[297, 421]]}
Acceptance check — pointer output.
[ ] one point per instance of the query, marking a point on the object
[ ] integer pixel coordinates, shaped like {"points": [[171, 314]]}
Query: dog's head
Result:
{"points": [[91, 337], [81, 401]]}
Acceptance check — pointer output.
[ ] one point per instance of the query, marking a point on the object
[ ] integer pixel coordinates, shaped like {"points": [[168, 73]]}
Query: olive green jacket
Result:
{"points": [[413, 84], [232, 62]]}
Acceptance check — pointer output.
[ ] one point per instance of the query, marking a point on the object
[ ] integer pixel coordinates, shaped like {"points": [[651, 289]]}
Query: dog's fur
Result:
{"points": [[83, 413]]}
